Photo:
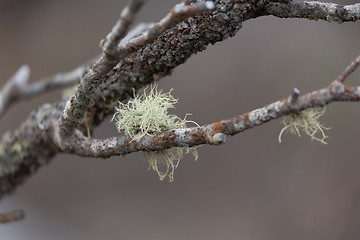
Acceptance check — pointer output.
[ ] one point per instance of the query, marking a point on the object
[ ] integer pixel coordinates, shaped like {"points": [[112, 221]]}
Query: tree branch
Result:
{"points": [[314, 10], [170, 50], [37, 140], [216, 133], [12, 216], [173, 48], [349, 69], [276, 8], [14, 86], [60, 80], [76, 107]]}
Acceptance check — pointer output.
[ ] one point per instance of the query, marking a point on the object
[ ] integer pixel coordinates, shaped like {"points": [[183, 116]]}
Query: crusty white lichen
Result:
{"points": [[306, 121], [148, 115]]}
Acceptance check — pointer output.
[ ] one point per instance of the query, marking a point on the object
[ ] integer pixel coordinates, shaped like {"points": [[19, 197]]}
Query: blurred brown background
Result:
{"points": [[251, 188]]}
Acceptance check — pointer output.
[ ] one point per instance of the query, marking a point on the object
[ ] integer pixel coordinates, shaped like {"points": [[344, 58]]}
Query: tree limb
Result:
{"points": [[314, 10], [37, 140], [57, 81], [216, 133], [76, 107]]}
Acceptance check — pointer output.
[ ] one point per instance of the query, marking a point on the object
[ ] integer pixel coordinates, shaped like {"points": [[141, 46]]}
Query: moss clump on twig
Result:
{"points": [[306, 121], [170, 159], [148, 115]]}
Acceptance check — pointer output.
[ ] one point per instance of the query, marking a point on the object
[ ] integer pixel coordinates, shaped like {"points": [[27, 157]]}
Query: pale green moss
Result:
{"points": [[148, 115], [170, 159], [306, 121]]}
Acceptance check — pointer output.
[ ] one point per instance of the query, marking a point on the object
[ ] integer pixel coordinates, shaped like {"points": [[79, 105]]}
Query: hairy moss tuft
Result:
{"points": [[306, 121], [165, 162], [148, 114]]}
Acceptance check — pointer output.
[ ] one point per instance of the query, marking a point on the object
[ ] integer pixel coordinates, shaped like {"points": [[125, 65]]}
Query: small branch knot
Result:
{"points": [[219, 138], [294, 95], [337, 88]]}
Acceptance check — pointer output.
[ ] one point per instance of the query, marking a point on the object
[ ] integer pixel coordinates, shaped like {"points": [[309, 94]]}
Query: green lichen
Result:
{"points": [[25, 144], [333, 18], [147, 115], [16, 147], [165, 162], [19, 146], [306, 121]]}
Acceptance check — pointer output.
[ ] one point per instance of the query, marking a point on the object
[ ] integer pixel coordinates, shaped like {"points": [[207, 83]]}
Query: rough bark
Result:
{"points": [[37, 140]]}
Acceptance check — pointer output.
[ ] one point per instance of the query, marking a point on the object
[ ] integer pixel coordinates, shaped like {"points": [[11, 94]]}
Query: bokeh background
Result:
{"points": [[250, 188]]}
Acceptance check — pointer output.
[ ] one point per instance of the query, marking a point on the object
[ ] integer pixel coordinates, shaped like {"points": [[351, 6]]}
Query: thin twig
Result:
{"points": [[16, 84], [178, 14], [60, 80], [351, 68], [75, 108], [121, 27], [12, 216]]}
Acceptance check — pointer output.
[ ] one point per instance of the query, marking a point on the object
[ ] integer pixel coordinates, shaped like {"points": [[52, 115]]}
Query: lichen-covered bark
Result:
{"points": [[38, 145], [28, 148], [25, 150], [171, 49], [330, 12], [215, 133], [76, 107]]}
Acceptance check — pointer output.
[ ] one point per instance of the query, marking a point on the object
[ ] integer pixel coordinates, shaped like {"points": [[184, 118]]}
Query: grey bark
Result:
{"points": [[37, 140]]}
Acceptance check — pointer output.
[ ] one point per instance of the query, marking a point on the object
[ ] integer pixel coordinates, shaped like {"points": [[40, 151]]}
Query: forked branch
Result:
{"points": [[218, 132], [37, 140], [76, 107]]}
